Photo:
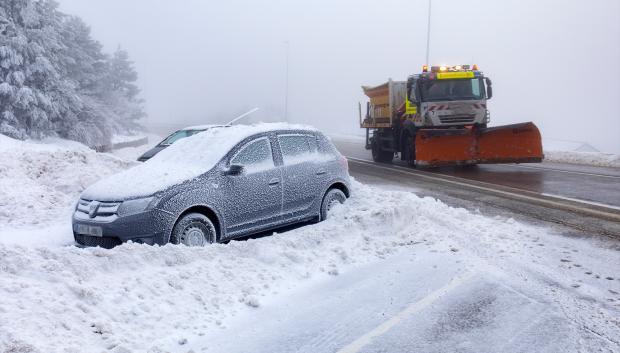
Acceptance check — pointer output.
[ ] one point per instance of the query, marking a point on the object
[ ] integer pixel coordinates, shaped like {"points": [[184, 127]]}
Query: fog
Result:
{"points": [[556, 63]]}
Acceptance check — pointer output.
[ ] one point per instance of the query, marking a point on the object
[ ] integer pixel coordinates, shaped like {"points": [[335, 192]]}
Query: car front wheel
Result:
{"points": [[331, 198], [193, 229]]}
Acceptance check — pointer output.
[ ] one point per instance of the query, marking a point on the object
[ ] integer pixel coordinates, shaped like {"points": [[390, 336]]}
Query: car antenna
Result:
{"points": [[242, 116]]}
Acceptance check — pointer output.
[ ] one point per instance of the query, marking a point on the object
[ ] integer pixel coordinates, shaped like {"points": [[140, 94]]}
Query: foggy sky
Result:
{"points": [[556, 63]]}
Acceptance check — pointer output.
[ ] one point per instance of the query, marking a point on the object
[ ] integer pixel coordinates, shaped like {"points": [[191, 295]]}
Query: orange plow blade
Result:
{"points": [[518, 143]]}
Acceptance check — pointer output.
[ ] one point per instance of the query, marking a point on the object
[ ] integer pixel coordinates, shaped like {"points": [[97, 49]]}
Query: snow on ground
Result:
{"points": [[139, 298], [41, 180], [577, 152], [598, 159]]}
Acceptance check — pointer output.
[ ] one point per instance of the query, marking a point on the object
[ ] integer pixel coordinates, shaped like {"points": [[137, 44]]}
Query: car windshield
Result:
{"points": [[459, 89], [177, 136]]}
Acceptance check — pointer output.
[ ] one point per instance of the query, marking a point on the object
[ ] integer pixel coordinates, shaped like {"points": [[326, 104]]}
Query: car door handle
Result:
{"points": [[274, 181], [321, 172]]}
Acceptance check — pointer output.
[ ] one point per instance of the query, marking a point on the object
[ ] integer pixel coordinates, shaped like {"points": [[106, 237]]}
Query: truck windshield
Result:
{"points": [[458, 89]]}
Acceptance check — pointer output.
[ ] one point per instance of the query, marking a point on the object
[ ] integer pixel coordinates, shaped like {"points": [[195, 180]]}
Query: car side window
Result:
{"points": [[313, 143], [297, 148], [255, 155]]}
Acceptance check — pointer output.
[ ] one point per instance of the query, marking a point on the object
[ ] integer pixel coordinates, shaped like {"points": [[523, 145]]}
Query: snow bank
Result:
{"points": [[578, 152], [184, 160], [137, 297], [598, 159], [41, 181]]}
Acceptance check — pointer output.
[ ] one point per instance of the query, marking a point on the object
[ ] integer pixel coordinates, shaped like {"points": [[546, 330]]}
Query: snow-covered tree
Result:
{"points": [[56, 80], [121, 90]]}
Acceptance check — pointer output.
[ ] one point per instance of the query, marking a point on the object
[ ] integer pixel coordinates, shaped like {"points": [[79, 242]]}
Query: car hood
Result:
{"points": [[150, 153], [143, 180]]}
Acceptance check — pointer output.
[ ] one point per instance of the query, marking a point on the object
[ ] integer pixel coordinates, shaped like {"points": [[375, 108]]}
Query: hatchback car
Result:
{"points": [[215, 186]]}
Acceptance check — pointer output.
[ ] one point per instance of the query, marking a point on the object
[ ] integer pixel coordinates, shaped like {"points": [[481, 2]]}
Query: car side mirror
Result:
{"points": [[489, 88], [234, 169]]}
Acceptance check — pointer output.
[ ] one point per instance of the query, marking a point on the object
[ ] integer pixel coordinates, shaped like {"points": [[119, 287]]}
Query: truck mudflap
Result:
{"points": [[517, 143]]}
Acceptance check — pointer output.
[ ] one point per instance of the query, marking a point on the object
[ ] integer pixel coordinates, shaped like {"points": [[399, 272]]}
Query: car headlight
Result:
{"points": [[130, 207]]}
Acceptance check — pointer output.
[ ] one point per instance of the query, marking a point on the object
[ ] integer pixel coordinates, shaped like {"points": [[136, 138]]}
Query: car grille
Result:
{"points": [[457, 119], [104, 242], [102, 211]]}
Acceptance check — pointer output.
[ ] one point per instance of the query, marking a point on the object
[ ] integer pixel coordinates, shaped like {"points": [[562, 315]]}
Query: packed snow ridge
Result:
{"points": [[40, 181], [139, 298], [598, 159]]}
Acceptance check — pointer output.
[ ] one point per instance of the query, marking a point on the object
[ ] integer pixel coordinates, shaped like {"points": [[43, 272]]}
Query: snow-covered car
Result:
{"points": [[174, 137], [215, 186]]}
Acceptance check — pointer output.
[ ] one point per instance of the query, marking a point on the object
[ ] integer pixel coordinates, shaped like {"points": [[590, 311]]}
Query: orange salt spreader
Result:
{"points": [[440, 117]]}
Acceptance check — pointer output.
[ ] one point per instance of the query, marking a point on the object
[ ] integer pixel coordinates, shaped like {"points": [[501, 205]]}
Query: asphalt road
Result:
{"points": [[584, 183]]}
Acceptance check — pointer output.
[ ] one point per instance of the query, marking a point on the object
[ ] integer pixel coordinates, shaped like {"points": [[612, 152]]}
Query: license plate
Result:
{"points": [[86, 229]]}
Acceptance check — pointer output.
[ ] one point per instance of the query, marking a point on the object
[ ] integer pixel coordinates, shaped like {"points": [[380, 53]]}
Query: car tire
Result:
{"points": [[331, 197], [193, 229]]}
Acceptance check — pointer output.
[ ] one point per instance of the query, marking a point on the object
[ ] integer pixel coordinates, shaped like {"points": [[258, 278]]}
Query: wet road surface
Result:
{"points": [[584, 183]]}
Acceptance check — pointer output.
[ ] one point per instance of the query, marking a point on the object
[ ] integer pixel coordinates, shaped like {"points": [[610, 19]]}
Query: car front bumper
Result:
{"points": [[149, 227]]}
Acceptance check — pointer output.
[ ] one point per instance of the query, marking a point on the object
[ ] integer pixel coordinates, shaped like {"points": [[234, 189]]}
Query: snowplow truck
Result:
{"points": [[440, 117]]}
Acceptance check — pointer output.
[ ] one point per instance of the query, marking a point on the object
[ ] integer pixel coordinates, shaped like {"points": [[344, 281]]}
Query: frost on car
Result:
{"points": [[216, 186]]}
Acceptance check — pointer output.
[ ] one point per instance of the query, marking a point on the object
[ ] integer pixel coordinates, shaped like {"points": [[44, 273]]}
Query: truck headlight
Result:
{"points": [[135, 206]]}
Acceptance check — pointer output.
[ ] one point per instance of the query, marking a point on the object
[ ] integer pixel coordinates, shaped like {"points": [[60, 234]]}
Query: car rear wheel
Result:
{"points": [[331, 198], [193, 229]]}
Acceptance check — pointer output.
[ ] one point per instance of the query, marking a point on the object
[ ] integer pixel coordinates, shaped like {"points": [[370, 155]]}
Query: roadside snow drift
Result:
{"points": [[40, 181], [598, 159], [138, 298]]}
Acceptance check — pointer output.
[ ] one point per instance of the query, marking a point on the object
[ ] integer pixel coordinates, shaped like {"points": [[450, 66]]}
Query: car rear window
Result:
{"points": [[297, 148]]}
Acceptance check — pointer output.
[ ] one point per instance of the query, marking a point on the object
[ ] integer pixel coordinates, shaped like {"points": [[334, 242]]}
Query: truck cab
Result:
{"points": [[448, 96]]}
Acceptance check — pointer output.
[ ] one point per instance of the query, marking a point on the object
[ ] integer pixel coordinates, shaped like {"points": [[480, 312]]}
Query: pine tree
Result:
{"points": [[56, 80], [123, 91]]}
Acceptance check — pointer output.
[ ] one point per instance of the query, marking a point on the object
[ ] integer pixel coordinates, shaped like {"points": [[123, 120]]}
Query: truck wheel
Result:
{"points": [[408, 151], [379, 155]]}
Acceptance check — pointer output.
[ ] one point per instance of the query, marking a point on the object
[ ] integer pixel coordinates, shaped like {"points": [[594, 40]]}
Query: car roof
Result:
{"points": [[202, 127]]}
